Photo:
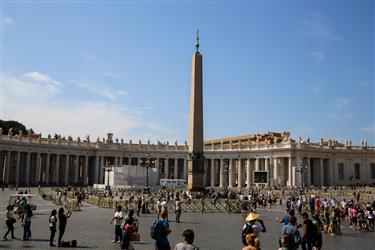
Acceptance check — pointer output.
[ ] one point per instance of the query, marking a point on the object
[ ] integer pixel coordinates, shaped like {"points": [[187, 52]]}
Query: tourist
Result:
{"points": [[291, 230], [178, 203], [187, 241], [139, 204], [312, 204], [370, 216], [253, 225], [160, 231], [286, 216], [63, 220], [9, 221], [317, 238], [307, 232], [52, 226], [252, 242], [27, 222], [129, 229], [117, 219]]}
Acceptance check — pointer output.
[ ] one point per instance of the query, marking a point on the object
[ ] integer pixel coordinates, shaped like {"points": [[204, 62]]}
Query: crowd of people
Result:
{"points": [[317, 216], [326, 216]]}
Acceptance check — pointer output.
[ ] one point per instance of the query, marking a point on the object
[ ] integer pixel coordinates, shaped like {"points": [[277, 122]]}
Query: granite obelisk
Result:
{"points": [[196, 157]]}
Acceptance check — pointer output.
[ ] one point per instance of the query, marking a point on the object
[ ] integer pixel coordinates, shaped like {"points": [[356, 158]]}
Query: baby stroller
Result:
{"points": [[362, 222]]}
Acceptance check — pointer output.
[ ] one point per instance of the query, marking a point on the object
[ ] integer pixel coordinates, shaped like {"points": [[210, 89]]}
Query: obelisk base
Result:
{"points": [[195, 175]]}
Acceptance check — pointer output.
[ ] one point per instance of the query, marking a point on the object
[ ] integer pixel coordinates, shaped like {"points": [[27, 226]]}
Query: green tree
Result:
{"points": [[17, 126]]}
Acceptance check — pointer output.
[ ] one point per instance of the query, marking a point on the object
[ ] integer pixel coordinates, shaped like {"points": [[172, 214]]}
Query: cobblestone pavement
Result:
{"points": [[91, 228]]}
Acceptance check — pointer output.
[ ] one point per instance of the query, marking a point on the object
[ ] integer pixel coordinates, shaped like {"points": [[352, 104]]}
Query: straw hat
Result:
{"points": [[252, 216]]}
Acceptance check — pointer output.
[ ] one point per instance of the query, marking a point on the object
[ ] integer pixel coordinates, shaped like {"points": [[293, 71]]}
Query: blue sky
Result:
{"points": [[78, 68]]}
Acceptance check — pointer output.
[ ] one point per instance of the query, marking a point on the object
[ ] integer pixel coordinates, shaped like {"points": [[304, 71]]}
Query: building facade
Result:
{"points": [[33, 160]]}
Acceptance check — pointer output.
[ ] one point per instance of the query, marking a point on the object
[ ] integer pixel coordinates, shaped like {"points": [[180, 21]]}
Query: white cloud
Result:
{"points": [[341, 109], [29, 99], [111, 74], [369, 129], [316, 25], [39, 77], [93, 58], [317, 55], [101, 90], [8, 21], [31, 103]]}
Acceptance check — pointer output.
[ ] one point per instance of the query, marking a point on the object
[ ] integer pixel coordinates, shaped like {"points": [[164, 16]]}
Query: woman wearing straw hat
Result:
{"points": [[253, 225]]}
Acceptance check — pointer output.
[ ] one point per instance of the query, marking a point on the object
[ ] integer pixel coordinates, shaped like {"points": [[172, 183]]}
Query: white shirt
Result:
{"points": [[119, 218]]}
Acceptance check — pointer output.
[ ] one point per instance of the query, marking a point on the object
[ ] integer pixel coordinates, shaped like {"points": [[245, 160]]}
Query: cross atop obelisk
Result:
{"points": [[196, 158]]}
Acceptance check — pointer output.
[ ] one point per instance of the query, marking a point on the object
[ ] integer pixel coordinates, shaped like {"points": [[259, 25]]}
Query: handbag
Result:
{"points": [[12, 220], [135, 237]]}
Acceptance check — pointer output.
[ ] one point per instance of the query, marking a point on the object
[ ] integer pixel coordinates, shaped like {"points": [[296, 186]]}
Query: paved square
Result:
{"points": [[92, 229]]}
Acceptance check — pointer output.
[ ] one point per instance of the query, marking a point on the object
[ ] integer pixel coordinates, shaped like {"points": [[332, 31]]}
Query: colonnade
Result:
{"points": [[26, 167], [34, 168]]}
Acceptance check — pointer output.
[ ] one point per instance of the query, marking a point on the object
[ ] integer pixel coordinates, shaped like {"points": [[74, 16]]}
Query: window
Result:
{"points": [[341, 171], [372, 168], [357, 173]]}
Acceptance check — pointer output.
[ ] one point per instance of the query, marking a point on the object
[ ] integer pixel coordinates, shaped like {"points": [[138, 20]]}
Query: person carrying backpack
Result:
{"points": [[160, 231], [130, 227], [253, 225], [294, 235]]}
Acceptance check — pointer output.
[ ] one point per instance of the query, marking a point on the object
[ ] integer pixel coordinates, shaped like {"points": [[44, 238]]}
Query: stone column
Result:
{"points": [[7, 170], [48, 161], [76, 169], [266, 168], [248, 173], [231, 173], [157, 165], [331, 171], [212, 169], [185, 170], [86, 171], [57, 166], [221, 172], [101, 170], [240, 174], [166, 168], [38, 168], [321, 172], [290, 182], [18, 168], [66, 170], [175, 172], [27, 170], [257, 165], [308, 170], [276, 177], [96, 170]]}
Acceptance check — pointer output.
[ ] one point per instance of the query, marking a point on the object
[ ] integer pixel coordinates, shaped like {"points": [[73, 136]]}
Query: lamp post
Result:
{"points": [[301, 169], [147, 163], [108, 169]]}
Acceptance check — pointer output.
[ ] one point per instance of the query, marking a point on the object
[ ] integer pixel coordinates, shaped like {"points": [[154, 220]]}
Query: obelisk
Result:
{"points": [[196, 158]]}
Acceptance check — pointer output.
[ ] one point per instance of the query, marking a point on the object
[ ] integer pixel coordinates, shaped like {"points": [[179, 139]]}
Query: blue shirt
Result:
{"points": [[164, 240]]}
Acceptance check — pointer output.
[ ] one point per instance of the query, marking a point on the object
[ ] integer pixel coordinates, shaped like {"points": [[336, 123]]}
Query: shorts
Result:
{"points": [[354, 220]]}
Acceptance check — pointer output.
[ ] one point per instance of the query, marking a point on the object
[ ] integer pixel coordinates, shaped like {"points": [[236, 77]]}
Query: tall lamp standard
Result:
{"points": [[301, 169], [147, 163], [108, 169]]}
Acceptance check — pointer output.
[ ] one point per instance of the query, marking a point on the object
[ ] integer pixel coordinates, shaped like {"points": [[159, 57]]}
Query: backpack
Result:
{"points": [[158, 231], [295, 239], [248, 229]]}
